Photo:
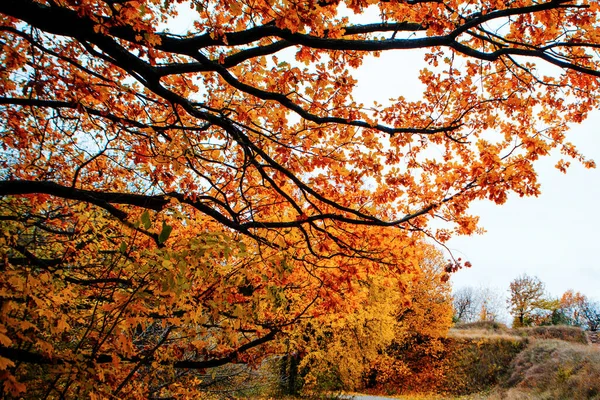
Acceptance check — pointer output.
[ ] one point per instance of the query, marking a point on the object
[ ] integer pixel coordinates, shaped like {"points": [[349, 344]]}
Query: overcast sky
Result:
{"points": [[554, 236]]}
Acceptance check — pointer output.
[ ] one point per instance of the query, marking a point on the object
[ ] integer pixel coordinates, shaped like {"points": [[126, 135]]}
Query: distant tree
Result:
{"points": [[569, 307], [485, 314], [491, 304], [590, 311], [526, 297], [549, 312], [474, 304], [464, 301], [581, 310]]}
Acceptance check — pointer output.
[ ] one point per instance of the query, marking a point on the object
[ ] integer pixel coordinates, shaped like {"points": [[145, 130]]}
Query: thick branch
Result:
{"points": [[30, 357], [101, 199]]}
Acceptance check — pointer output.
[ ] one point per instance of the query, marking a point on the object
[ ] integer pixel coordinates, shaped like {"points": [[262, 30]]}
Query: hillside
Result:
{"points": [[490, 361]]}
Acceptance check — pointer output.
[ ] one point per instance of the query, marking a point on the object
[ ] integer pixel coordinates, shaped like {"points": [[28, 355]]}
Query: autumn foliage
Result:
{"points": [[579, 310], [183, 182], [414, 361], [390, 339]]}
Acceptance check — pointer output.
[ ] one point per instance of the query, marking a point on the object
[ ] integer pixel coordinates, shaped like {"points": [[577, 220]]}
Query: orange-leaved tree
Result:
{"points": [[182, 181], [336, 352]]}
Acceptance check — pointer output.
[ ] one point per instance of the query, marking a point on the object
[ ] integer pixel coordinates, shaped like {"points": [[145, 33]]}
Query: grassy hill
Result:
{"points": [[493, 362], [554, 362]]}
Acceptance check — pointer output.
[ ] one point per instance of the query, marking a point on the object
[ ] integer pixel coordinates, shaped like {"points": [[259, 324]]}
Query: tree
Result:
{"points": [[491, 303], [340, 351], [428, 312], [423, 320], [526, 296], [465, 304], [172, 201], [568, 305], [473, 304], [337, 353], [590, 311], [580, 310]]}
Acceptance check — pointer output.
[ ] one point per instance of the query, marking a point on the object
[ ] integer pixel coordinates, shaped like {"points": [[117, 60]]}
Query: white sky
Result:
{"points": [[554, 236]]}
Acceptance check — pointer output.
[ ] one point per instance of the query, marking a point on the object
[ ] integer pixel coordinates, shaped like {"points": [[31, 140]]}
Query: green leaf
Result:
{"points": [[164, 233], [123, 248], [146, 220]]}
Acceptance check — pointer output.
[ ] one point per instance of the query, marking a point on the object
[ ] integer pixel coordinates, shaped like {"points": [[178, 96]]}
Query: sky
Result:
{"points": [[554, 236]]}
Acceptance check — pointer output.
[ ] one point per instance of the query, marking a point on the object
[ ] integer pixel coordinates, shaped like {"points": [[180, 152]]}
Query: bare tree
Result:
{"points": [[465, 304], [473, 304]]}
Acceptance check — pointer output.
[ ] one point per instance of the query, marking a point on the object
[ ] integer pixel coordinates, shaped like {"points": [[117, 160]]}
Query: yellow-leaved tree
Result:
{"points": [[390, 337]]}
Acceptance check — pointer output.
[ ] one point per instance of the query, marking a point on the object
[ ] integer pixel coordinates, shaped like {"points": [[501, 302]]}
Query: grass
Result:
{"points": [[494, 330], [484, 329], [474, 334], [565, 333], [481, 325]]}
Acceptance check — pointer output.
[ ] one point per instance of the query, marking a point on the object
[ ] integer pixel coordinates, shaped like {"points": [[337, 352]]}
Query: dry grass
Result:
{"points": [[481, 325], [476, 334], [489, 330], [555, 369], [566, 333], [556, 362], [484, 329]]}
